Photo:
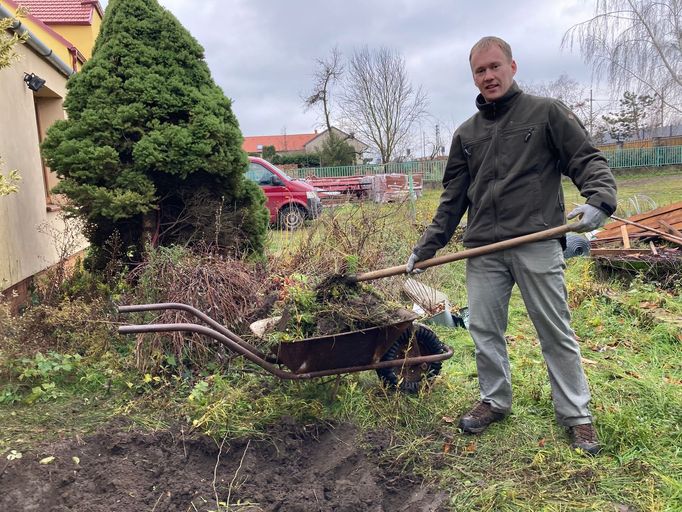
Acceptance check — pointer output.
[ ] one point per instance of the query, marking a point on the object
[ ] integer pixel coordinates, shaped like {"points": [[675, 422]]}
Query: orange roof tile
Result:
{"points": [[63, 12], [289, 142], [14, 4]]}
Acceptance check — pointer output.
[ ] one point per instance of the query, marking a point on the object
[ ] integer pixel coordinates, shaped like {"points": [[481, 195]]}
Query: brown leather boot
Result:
{"points": [[584, 438], [479, 418]]}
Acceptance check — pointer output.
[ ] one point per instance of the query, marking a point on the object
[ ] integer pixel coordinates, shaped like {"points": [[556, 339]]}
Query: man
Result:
{"points": [[505, 168]]}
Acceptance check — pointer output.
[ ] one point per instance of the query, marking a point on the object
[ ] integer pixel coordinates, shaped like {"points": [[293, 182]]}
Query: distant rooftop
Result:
{"points": [[293, 142], [63, 12]]}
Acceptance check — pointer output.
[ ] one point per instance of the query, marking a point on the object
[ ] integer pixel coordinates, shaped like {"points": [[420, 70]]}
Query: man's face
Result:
{"points": [[493, 72]]}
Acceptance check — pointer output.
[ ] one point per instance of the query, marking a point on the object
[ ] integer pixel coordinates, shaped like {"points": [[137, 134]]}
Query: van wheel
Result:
{"points": [[291, 217]]}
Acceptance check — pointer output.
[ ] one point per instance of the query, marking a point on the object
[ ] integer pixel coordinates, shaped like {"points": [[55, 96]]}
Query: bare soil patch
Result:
{"points": [[311, 468]]}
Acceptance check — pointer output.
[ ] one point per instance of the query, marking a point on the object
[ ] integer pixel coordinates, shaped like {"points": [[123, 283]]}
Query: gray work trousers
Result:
{"points": [[538, 270]]}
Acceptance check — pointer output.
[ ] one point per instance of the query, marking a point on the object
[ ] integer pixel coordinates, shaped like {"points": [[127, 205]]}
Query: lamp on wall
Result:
{"points": [[33, 81]]}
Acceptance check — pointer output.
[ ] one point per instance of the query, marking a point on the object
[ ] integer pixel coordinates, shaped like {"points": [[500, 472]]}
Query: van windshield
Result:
{"points": [[283, 173]]}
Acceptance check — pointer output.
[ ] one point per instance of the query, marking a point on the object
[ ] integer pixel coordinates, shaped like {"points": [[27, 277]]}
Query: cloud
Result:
{"points": [[262, 52]]}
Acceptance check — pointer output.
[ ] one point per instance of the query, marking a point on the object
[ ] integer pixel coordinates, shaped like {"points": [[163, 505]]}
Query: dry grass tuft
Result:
{"points": [[230, 291]]}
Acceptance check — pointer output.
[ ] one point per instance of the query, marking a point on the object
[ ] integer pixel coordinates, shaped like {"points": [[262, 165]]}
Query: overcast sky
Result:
{"points": [[262, 52]]}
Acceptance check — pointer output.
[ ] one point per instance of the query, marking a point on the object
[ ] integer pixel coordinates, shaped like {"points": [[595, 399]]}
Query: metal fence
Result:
{"points": [[432, 170], [644, 157]]}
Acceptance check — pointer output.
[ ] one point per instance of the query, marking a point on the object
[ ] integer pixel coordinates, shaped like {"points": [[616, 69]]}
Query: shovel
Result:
{"points": [[468, 253]]}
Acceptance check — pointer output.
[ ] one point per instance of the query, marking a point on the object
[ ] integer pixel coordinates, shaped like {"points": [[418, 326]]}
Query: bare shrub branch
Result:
{"points": [[329, 71], [228, 290]]}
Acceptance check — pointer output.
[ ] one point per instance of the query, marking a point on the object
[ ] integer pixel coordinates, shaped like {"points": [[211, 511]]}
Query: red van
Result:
{"points": [[290, 201]]}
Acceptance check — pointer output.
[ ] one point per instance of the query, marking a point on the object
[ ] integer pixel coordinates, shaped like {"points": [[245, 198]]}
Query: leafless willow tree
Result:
{"points": [[329, 71], [378, 102], [636, 45]]}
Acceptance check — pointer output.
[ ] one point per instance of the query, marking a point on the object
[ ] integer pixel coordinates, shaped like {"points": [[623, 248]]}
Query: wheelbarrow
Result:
{"points": [[403, 353]]}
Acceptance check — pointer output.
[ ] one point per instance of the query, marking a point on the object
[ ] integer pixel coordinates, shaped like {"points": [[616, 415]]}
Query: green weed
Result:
{"points": [[522, 463]]}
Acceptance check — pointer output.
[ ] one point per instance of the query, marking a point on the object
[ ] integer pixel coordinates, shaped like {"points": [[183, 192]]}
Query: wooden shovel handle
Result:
{"points": [[468, 253]]}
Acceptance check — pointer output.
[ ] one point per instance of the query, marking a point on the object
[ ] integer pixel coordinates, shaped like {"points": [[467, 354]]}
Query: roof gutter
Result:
{"points": [[37, 45]]}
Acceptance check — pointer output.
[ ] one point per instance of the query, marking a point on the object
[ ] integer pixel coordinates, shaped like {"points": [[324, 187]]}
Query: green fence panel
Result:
{"points": [[644, 157], [432, 170]]}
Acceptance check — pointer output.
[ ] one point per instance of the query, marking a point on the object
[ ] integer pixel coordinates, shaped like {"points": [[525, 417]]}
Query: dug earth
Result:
{"points": [[289, 469]]}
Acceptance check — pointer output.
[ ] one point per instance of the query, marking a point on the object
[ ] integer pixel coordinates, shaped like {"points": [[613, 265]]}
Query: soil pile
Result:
{"points": [[296, 469]]}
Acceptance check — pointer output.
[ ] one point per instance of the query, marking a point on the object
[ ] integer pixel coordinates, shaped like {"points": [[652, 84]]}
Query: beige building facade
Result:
{"points": [[314, 145], [32, 227]]}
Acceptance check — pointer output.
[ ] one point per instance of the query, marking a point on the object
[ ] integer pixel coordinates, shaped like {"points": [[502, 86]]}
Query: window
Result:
{"points": [[259, 174], [48, 108]]}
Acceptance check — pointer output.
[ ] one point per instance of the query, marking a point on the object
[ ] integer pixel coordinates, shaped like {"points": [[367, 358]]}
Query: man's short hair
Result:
{"points": [[489, 41]]}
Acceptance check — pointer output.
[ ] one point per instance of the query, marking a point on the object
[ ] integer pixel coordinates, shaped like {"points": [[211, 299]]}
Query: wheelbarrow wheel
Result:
{"points": [[419, 341]]}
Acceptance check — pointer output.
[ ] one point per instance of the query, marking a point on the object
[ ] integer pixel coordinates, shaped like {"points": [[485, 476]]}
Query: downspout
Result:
{"points": [[76, 58], [37, 45]]}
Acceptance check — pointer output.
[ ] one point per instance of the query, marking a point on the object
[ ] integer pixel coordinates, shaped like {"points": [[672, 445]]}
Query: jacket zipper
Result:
{"points": [[528, 135], [492, 189]]}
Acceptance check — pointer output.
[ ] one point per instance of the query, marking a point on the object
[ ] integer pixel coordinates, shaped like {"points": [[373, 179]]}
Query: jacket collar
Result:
{"points": [[490, 110]]}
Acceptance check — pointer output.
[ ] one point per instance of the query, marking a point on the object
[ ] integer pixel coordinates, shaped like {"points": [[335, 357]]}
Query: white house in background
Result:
{"points": [[301, 143]]}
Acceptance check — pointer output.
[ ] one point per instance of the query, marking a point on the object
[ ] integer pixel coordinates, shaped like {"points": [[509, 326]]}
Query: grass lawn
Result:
{"points": [[662, 186], [633, 365]]}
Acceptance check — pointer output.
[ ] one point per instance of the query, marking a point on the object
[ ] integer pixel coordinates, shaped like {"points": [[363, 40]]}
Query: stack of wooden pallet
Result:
{"points": [[648, 232], [381, 188]]}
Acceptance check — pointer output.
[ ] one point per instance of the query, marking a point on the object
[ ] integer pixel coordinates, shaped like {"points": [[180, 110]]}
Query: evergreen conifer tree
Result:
{"points": [[336, 151], [151, 150]]}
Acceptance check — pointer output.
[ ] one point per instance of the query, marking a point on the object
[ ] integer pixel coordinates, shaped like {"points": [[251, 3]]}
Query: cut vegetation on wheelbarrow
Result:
{"points": [[346, 329]]}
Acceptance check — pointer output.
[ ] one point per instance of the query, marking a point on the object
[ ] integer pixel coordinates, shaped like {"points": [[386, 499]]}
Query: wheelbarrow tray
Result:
{"points": [[344, 350], [313, 357]]}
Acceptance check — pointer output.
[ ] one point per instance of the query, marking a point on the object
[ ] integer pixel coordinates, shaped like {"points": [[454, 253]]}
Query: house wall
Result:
{"points": [[316, 144], [26, 247], [52, 40], [82, 36], [644, 143]]}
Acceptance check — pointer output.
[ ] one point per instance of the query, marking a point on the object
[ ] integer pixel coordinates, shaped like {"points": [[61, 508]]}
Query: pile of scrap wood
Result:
{"points": [[646, 241], [380, 188], [340, 189]]}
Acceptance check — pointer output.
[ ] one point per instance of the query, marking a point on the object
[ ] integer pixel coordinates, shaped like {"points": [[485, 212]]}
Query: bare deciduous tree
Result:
{"points": [[378, 100], [636, 45], [329, 70], [564, 88], [574, 94]]}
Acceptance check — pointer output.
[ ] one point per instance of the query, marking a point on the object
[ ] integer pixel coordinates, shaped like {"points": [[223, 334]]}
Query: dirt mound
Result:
{"points": [[313, 468]]}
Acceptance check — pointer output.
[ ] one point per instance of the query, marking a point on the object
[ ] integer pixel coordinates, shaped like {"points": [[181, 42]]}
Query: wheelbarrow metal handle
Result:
{"points": [[272, 368]]}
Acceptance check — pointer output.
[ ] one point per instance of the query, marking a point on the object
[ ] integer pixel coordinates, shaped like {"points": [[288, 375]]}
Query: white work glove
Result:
{"points": [[410, 265], [591, 218]]}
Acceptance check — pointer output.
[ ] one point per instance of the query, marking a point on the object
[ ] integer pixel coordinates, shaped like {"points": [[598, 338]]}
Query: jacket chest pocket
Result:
{"points": [[522, 147], [476, 152]]}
